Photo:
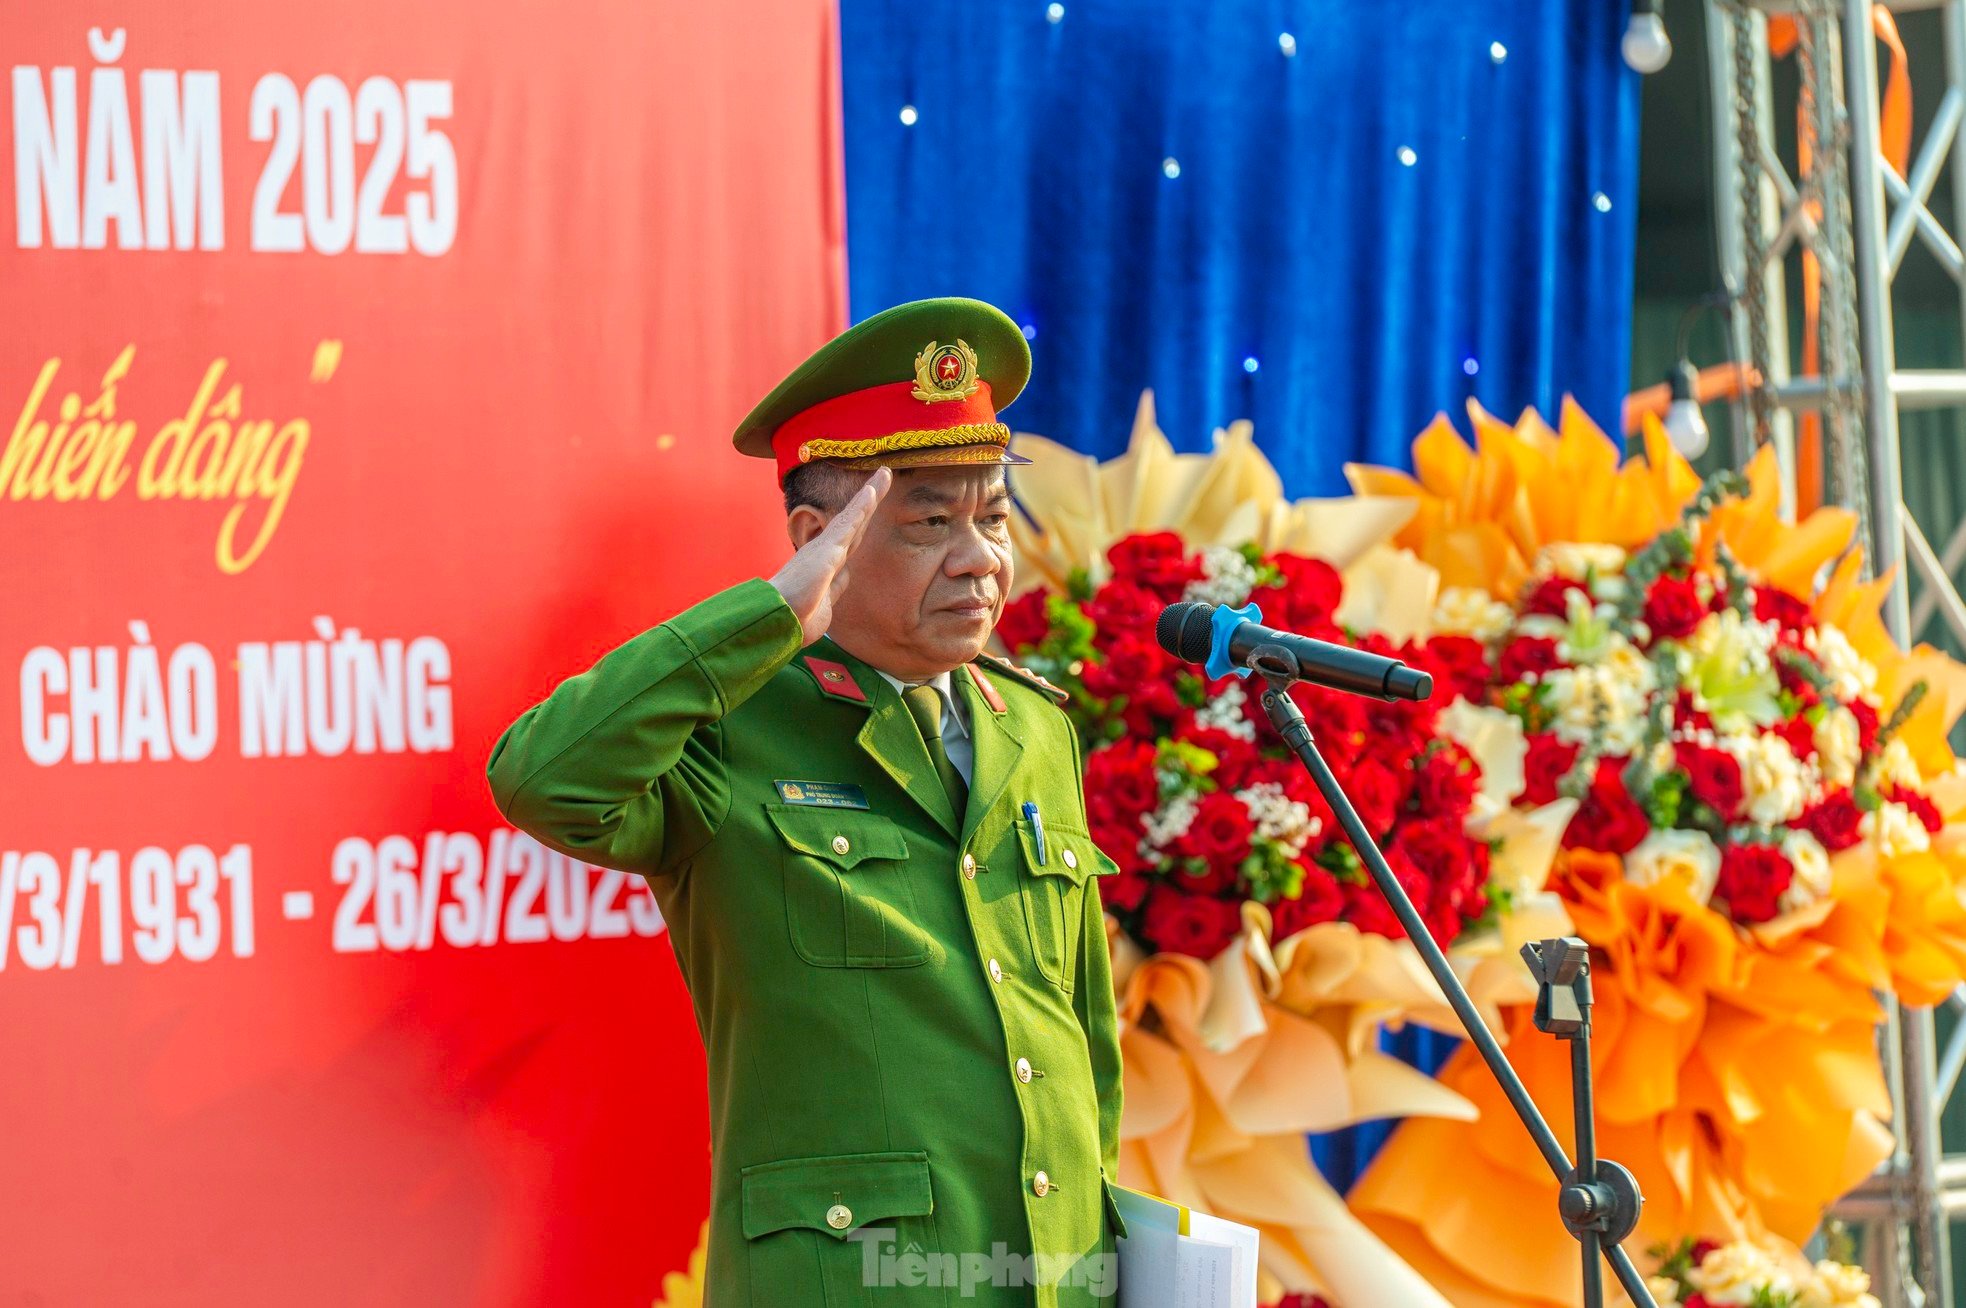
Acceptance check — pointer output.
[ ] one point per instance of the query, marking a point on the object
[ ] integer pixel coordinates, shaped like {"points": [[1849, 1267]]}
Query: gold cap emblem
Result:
{"points": [[945, 372]]}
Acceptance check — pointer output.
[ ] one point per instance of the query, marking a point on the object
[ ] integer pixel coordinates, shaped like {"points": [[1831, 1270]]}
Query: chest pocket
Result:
{"points": [[1054, 895], [849, 901]]}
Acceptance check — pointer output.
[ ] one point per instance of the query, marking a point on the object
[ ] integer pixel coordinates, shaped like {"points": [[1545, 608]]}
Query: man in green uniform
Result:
{"points": [[869, 840]]}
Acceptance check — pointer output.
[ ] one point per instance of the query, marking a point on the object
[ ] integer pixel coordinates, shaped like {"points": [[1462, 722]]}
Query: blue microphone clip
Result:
{"points": [[1220, 624]]}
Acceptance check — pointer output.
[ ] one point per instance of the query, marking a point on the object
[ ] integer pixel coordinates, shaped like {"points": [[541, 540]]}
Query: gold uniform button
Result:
{"points": [[1024, 1072], [1071, 859], [969, 866], [841, 844], [839, 1217], [1040, 1185], [996, 970]]}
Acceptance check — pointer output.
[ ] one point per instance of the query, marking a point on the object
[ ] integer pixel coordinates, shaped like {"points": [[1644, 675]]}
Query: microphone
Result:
{"points": [[1221, 638]]}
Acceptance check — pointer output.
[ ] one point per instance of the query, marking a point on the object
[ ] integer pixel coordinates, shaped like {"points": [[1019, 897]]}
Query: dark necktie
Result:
{"points": [[925, 704]]}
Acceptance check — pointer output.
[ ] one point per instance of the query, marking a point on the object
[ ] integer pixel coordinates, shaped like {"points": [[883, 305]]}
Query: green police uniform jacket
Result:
{"points": [[908, 1013]]}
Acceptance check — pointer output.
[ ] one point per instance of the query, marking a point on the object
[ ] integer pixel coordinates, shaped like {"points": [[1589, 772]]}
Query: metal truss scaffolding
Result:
{"points": [[1845, 209]]}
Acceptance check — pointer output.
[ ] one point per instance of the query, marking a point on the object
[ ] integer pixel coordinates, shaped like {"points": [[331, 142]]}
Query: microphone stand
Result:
{"points": [[1598, 1201]]}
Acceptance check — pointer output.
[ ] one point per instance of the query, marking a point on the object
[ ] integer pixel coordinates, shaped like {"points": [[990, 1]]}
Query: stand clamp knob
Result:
{"points": [[1609, 1205]]}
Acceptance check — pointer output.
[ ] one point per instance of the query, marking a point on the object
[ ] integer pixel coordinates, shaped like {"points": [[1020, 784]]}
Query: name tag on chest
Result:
{"points": [[822, 794]]}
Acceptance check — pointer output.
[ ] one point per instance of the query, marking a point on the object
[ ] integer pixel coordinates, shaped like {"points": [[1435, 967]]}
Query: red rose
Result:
{"points": [[1157, 561], [1024, 624], [1867, 724], [1833, 821], [1121, 842], [1320, 900], [1697, 1301], [1124, 890], [1701, 1248], [1306, 596], [1526, 655], [1545, 766], [1122, 608], [1434, 846], [1673, 608], [1713, 776], [1196, 925], [1366, 909], [1220, 832], [1120, 780], [1789, 614], [1133, 665], [1608, 819], [1752, 879], [1552, 596], [1376, 791], [1446, 782], [1800, 736], [1459, 664], [1687, 717], [1920, 805]]}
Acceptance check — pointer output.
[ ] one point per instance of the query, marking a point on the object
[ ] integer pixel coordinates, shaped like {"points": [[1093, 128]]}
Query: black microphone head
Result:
{"points": [[1183, 630], [1403, 682]]}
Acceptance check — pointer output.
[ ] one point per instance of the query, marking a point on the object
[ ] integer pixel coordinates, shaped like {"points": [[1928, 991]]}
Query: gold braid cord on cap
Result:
{"points": [[968, 433]]}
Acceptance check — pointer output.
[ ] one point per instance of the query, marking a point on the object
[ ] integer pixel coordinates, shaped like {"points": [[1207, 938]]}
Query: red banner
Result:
{"points": [[367, 369]]}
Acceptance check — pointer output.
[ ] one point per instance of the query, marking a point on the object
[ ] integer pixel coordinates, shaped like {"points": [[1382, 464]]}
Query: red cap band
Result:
{"points": [[868, 418]]}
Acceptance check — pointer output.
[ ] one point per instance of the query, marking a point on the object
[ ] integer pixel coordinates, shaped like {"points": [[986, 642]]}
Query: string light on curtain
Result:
{"points": [[1646, 46], [908, 115], [1408, 156], [1497, 51], [1249, 364], [1055, 13], [1288, 44], [1170, 167]]}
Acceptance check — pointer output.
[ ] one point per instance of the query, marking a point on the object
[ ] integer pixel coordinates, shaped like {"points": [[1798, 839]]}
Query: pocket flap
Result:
{"points": [[818, 831], [1113, 1217], [803, 1191], [1068, 852]]}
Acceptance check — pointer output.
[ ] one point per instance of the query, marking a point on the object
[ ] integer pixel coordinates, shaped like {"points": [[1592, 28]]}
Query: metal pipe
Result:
{"points": [[1918, 187], [1937, 583]]}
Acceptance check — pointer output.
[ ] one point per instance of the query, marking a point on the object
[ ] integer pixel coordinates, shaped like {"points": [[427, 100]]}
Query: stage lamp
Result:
{"points": [[1686, 425], [1647, 47]]}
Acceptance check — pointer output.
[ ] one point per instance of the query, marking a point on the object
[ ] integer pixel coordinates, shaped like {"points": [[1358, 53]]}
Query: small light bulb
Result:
{"points": [[1249, 364], [1600, 202], [1685, 424], [1056, 13], [1030, 330], [908, 115], [1288, 44], [1646, 46], [1171, 167], [1471, 365], [1407, 156], [1497, 51]]}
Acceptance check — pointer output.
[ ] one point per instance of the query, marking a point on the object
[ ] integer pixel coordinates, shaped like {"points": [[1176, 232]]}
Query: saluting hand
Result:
{"points": [[816, 574]]}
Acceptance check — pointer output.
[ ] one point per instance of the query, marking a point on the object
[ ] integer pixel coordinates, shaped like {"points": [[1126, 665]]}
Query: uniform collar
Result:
{"points": [[944, 685]]}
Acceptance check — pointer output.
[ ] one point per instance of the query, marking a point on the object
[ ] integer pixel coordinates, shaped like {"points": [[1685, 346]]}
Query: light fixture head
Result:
{"points": [[1686, 423], [1646, 46]]}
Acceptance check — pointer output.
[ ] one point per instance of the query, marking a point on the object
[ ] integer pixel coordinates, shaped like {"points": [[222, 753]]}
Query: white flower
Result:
{"points": [[1466, 611], [1226, 577], [1850, 675], [1493, 739], [1897, 766], [1688, 857], [1224, 710], [1599, 702], [1836, 1285], [1777, 783], [1286, 821], [1837, 751], [1170, 822], [1727, 666], [1665, 1291], [1812, 876], [1896, 829], [1575, 560], [1734, 1273]]}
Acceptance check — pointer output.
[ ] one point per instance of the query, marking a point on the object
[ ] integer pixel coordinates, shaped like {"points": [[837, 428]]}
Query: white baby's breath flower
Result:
{"points": [[1776, 782], [1286, 821], [1735, 1273], [1687, 857], [1170, 822], [1837, 751], [1227, 578], [1224, 710], [1849, 673], [1466, 611], [1812, 875], [1596, 703], [1896, 829]]}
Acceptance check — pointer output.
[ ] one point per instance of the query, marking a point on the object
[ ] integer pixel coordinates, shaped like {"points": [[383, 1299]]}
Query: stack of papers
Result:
{"points": [[1175, 1257]]}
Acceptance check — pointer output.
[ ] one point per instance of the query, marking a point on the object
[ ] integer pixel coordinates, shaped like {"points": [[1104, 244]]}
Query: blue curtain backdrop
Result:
{"points": [[1334, 217]]}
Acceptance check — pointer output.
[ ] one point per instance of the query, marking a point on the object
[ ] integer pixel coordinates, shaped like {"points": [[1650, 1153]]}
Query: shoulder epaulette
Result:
{"points": [[996, 663]]}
